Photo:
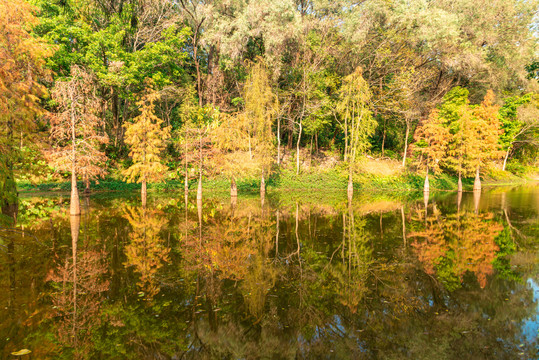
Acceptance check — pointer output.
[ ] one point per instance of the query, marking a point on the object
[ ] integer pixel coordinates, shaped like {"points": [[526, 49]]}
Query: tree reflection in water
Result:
{"points": [[284, 278]]}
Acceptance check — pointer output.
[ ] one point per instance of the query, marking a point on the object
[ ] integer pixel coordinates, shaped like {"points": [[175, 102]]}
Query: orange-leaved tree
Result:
{"points": [[22, 67], [147, 138], [431, 142], [487, 128], [77, 131]]}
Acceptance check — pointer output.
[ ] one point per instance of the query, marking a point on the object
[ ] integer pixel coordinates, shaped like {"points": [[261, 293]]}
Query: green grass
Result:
{"points": [[335, 179]]}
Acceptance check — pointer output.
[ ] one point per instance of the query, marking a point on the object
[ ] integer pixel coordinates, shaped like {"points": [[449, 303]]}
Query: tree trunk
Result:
{"points": [[383, 138], [278, 142], [74, 208], [476, 200], [186, 185], [87, 183], [262, 185], [199, 188], [345, 138], [297, 147], [477, 182], [233, 188], [143, 192], [406, 144], [505, 158], [403, 226], [459, 187], [426, 186], [350, 189]]}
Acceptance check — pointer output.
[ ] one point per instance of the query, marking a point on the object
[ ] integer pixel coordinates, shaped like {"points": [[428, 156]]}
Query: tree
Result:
{"points": [[260, 109], [77, 130], [518, 123], [147, 138], [22, 69], [431, 141], [457, 116], [487, 134], [353, 107]]}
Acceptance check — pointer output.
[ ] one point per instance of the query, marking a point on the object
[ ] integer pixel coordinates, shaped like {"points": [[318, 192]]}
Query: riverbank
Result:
{"points": [[287, 180]]}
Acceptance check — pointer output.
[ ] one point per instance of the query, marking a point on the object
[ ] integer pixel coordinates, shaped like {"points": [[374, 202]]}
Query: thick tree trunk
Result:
{"points": [[477, 182], [426, 186], [406, 144], [459, 186], [199, 188], [476, 200], [74, 208], [143, 192]]}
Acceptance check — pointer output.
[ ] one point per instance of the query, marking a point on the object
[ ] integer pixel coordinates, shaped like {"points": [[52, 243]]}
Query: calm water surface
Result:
{"points": [[297, 275]]}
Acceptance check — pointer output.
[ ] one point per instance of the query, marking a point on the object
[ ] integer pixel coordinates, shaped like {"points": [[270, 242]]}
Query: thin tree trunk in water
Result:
{"points": [[477, 182], [297, 147], [459, 187], [505, 158], [406, 143]]}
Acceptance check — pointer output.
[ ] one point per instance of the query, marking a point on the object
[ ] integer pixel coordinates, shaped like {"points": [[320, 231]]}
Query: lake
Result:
{"points": [[295, 275]]}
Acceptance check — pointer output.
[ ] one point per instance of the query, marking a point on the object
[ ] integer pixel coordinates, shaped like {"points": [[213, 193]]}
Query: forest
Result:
{"points": [[189, 91]]}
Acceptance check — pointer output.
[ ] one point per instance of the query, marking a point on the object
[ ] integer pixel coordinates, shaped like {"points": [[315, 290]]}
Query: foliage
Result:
{"points": [[147, 139]]}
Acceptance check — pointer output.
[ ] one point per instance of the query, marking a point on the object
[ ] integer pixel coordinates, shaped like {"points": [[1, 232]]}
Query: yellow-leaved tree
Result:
{"points": [[260, 110], [359, 125], [147, 138]]}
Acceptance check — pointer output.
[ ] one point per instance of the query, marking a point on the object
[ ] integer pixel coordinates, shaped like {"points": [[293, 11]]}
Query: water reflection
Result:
{"points": [[287, 277]]}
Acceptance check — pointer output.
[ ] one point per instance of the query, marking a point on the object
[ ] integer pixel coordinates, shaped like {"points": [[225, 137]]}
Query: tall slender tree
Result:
{"points": [[147, 138], [358, 123], [77, 130]]}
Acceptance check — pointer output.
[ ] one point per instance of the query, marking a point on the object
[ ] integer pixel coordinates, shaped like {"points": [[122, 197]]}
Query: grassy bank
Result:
{"points": [[288, 180]]}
